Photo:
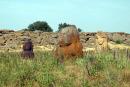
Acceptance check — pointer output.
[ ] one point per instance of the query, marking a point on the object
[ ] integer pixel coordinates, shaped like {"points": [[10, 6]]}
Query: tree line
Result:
{"points": [[45, 27]]}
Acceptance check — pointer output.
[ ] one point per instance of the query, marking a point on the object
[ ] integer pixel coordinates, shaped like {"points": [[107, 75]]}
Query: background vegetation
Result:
{"points": [[41, 26], [45, 27], [63, 25]]}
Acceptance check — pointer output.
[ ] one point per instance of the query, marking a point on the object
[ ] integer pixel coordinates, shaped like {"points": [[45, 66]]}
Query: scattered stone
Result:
{"points": [[52, 38]]}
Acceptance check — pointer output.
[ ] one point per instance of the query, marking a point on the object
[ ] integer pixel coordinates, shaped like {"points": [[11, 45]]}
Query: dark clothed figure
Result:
{"points": [[27, 49]]}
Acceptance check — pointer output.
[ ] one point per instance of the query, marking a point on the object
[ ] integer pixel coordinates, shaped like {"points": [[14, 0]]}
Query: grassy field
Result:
{"points": [[99, 70]]}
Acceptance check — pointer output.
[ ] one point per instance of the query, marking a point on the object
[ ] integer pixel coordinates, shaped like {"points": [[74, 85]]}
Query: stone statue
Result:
{"points": [[101, 42], [69, 44], [27, 49]]}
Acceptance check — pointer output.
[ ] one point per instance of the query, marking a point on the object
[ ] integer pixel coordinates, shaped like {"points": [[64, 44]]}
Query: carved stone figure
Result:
{"points": [[69, 44], [27, 49], [101, 42]]}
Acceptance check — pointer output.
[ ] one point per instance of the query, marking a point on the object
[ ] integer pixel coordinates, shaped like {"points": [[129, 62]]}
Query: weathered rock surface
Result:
{"points": [[13, 40]]}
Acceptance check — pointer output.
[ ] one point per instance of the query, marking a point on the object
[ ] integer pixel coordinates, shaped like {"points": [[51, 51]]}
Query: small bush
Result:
{"points": [[119, 41]]}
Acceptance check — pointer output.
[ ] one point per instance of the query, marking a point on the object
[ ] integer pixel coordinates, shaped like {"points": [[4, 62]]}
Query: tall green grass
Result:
{"points": [[99, 70]]}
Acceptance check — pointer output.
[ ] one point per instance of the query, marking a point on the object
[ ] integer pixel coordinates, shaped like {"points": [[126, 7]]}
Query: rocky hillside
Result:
{"points": [[12, 39]]}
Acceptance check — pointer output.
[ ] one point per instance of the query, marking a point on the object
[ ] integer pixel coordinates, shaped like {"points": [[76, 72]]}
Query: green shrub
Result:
{"points": [[119, 41]]}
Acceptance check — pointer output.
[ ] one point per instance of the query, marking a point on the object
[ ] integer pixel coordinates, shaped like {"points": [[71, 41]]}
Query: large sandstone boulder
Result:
{"points": [[101, 42], [69, 43]]}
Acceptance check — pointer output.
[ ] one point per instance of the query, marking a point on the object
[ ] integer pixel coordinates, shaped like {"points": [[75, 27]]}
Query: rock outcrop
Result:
{"points": [[10, 39]]}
